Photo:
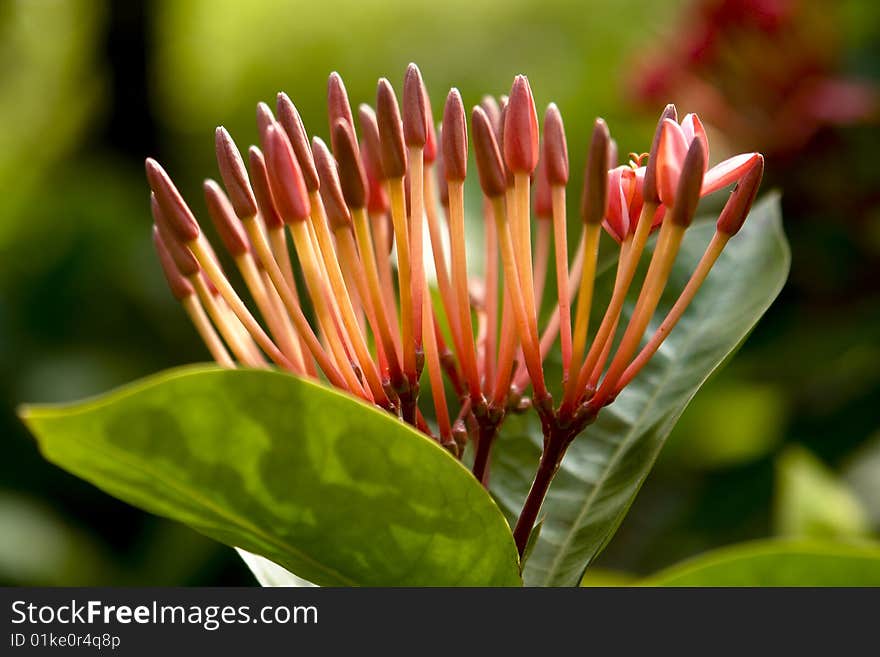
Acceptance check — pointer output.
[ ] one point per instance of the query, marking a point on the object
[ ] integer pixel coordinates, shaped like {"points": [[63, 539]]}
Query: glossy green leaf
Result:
{"points": [[778, 563], [605, 467], [313, 480]]}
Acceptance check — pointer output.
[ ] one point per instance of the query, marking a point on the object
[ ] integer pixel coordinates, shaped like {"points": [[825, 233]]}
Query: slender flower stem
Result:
{"points": [[491, 292], [247, 342], [719, 240], [524, 246], [340, 293], [227, 329], [531, 352], [314, 281], [441, 269], [356, 283], [374, 288], [254, 282], [209, 336], [555, 445], [264, 255], [612, 312], [551, 330], [668, 243], [382, 253], [468, 354], [404, 277], [542, 260], [599, 367], [277, 308], [435, 371], [416, 178], [488, 431], [585, 294], [213, 272], [560, 248], [506, 353]]}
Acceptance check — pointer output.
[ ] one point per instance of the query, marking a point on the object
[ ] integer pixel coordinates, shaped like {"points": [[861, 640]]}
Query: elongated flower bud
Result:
{"points": [[489, 164], [180, 287], [285, 178], [234, 175], [493, 112], [260, 178], [391, 142], [351, 171], [739, 203], [371, 139], [338, 215], [521, 128], [291, 121], [265, 118], [184, 261], [415, 115], [688, 193], [453, 138], [595, 192], [338, 106], [227, 224], [177, 213], [555, 148], [649, 190]]}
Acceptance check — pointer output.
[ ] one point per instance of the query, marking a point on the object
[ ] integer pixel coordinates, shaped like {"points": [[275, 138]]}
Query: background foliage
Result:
{"points": [[785, 441]]}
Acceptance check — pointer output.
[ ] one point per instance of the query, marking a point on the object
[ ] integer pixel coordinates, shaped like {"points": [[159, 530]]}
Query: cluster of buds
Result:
{"points": [[370, 328]]}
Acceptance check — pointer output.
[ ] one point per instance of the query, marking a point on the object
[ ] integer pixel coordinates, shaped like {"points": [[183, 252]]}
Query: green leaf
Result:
{"points": [[778, 563], [317, 482], [812, 502], [605, 467]]}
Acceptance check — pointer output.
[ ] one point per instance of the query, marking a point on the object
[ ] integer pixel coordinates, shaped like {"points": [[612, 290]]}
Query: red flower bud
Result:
{"points": [[489, 164], [177, 213], [391, 142], [291, 121], [227, 224], [521, 128], [595, 191], [735, 211], [555, 148], [338, 215], [453, 138], [285, 178]]}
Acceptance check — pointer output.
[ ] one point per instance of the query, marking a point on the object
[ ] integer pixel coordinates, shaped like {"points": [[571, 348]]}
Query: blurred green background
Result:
{"points": [[784, 441]]}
